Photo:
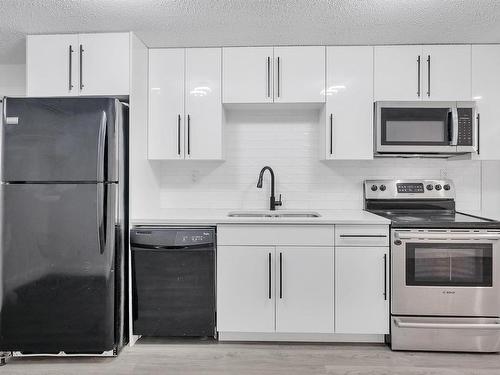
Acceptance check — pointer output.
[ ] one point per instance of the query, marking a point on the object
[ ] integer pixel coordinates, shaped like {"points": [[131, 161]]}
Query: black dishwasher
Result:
{"points": [[173, 277]]}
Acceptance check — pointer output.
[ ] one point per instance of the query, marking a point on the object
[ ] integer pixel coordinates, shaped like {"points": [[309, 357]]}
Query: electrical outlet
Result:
{"points": [[195, 175]]}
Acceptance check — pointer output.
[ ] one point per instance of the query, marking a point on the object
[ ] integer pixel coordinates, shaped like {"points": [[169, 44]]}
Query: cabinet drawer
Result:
{"points": [[275, 235], [361, 235]]}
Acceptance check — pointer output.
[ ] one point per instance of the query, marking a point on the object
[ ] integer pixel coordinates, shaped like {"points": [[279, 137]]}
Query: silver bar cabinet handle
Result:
{"points": [[81, 67], [70, 75], [418, 76], [428, 76]]}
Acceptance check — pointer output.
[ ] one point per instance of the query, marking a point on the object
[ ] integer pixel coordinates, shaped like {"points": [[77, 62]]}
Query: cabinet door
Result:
{"points": [[447, 72], [398, 72], [104, 60], [304, 289], [52, 65], [203, 130], [349, 103], [485, 90], [245, 289], [361, 292], [299, 74], [247, 74], [166, 104]]}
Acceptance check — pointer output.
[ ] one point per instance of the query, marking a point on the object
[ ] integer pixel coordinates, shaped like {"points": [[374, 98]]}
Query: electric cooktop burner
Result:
{"points": [[420, 204]]}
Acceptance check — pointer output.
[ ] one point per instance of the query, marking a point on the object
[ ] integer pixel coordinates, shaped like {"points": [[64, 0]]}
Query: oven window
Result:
{"points": [[439, 264], [415, 126]]}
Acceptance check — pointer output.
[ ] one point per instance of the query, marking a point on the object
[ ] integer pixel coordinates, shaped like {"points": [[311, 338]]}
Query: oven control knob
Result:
{"points": [[429, 187], [438, 187], [382, 187], [374, 188], [397, 242], [446, 187]]}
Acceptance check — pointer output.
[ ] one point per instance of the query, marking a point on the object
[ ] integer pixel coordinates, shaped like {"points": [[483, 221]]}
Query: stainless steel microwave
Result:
{"points": [[406, 128]]}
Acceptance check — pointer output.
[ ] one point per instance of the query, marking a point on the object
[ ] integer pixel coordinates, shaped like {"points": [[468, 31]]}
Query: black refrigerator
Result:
{"points": [[64, 226]]}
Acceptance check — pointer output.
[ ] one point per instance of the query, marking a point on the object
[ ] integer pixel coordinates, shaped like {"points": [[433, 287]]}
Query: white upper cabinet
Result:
{"points": [[348, 132], [279, 74], [245, 289], [52, 65], [78, 64], [304, 289], [398, 72], [429, 72], [299, 74], [166, 104], [203, 119], [361, 290], [247, 74], [446, 72], [185, 109], [486, 92], [105, 64]]}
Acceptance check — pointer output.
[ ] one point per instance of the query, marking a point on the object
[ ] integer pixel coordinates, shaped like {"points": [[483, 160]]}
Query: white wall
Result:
{"points": [[12, 80], [288, 143], [491, 189]]}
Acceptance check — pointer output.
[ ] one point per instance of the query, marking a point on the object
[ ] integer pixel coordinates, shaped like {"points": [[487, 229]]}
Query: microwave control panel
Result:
{"points": [[465, 126]]}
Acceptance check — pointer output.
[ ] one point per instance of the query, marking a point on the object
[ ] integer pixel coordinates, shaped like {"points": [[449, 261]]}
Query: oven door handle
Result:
{"points": [[447, 236], [488, 326]]}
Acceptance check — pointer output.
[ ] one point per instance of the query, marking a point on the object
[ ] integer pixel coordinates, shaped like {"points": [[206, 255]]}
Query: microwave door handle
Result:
{"points": [[454, 126]]}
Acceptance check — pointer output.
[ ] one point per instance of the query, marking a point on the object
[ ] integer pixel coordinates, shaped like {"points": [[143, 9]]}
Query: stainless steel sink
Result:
{"points": [[271, 214]]}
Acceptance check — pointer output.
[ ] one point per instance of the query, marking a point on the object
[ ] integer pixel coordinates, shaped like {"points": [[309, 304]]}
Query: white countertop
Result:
{"points": [[215, 217]]}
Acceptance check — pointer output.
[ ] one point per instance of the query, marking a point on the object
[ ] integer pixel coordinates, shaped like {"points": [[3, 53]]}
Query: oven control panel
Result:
{"points": [[409, 189]]}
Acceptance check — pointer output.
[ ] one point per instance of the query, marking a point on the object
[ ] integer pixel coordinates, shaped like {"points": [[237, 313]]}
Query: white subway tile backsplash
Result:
{"points": [[288, 142]]}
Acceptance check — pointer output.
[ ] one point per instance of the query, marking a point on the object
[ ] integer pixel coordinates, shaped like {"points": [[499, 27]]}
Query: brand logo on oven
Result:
{"points": [[448, 292]]}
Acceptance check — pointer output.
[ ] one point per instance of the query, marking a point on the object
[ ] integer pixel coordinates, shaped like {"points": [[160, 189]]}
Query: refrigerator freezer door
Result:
{"points": [[57, 271], [60, 139]]}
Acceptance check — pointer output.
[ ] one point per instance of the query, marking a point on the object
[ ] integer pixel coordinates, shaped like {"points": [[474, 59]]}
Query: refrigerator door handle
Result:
{"points": [[100, 217], [101, 147], [7, 120], [107, 208]]}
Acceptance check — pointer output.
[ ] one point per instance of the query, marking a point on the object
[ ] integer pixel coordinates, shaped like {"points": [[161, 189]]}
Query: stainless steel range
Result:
{"points": [[445, 268]]}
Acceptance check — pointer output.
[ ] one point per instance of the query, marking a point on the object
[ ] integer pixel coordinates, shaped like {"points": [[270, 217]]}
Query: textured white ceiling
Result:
{"points": [[167, 23]]}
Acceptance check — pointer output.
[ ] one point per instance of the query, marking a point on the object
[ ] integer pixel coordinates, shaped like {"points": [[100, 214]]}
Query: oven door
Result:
{"points": [[416, 127], [445, 273]]}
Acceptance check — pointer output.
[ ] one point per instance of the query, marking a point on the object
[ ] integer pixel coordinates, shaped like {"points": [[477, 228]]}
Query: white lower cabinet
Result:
{"points": [[289, 282], [245, 289], [304, 289], [362, 290], [275, 289]]}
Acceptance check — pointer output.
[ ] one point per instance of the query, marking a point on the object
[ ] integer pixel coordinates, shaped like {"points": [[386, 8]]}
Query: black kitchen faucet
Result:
{"points": [[272, 200]]}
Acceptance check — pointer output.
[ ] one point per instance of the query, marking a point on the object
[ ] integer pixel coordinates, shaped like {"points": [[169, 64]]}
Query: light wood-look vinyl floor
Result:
{"points": [[205, 357]]}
